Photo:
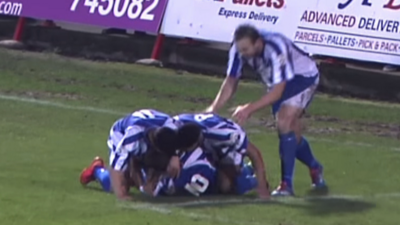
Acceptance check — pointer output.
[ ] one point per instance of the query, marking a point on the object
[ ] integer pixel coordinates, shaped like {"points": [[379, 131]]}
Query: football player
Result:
{"points": [[226, 143], [291, 78], [130, 139]]}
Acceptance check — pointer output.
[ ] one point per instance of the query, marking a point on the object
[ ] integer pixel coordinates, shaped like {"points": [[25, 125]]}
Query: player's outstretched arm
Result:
{"points": [[119, 184], [259, 168], [226, 91], [229, 86]]}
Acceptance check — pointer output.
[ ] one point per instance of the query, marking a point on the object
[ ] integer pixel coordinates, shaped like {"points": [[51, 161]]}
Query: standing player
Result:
{"points": [[227, 143], [292, 78], [131, 137]]}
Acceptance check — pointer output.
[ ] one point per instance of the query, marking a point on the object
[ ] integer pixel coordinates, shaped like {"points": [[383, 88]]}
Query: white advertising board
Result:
{"points": [[367, 30], [216, 20]]}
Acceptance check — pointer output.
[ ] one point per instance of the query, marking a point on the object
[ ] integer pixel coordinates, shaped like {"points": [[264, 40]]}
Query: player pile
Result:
{"points": [[189, 154]]}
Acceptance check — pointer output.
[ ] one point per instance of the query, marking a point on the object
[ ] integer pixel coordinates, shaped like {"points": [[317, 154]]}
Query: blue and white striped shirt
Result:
{"points": [[281, 60], [197, 176], [221, 135], [127, 135]]}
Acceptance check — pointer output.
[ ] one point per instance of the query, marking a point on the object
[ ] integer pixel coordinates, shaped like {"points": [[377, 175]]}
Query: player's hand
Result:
{"points": [[263, 193], [174, 167], [146, 189], [241, 114]]}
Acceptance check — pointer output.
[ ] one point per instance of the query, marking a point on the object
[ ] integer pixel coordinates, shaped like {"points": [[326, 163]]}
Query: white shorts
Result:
{"points": [[303, 99], [300, 99]]}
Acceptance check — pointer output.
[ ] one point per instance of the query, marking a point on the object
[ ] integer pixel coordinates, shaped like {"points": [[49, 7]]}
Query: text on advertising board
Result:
{"points": [[252, 15], [352, 28], [390, 4], [130, 8], [216, 20], [10, 8], [141, 15]]}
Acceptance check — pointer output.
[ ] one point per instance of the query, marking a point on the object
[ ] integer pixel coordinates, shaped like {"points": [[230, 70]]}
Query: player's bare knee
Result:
{"points": [[287, 119], [225, 185]]}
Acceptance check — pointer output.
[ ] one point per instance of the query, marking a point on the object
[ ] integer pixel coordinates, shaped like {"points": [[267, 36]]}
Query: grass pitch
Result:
{"points": [[56, 114]]}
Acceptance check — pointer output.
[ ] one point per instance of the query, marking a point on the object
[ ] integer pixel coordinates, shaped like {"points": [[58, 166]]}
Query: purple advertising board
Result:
{"points": [[140, 15]]}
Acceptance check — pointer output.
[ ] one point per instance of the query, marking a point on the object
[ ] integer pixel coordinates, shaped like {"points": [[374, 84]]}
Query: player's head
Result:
{"points": [[248, 40], [190, 136], [164, 139]]}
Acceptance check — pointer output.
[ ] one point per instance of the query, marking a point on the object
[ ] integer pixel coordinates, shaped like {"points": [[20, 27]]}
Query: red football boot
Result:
{"points": [[87, 174]]}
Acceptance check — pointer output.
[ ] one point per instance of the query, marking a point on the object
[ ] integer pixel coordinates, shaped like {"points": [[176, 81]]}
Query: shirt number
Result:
{"points": [[198, 185], [144, 114], [202, 117]]}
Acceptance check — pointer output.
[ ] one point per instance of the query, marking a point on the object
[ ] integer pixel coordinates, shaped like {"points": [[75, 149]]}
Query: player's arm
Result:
{"points": [[282, 71], [259, 169], [229, 86], [135, 173], [119, 182], [153, 183], [119, 159]]}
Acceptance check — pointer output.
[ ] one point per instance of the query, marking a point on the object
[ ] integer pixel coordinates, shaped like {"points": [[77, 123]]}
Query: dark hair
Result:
{"points": [[165, 139], [246, 31], [188, 135], [156, 160]]}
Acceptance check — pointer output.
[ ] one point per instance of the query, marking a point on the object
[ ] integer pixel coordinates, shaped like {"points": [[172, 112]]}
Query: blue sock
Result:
{"points": [[304, 155], [103, 177], [287, 149], [245, 183]]}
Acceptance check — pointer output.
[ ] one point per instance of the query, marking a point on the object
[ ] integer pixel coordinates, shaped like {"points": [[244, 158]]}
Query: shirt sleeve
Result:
{"points": [[235, 63], [128, 146], [277, 52]]}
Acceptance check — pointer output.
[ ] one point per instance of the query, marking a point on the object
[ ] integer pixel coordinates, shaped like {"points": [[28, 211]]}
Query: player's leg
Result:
{"points": [[304, 154], [246, 181], [288, 114], [235, 177], [96, 172]]}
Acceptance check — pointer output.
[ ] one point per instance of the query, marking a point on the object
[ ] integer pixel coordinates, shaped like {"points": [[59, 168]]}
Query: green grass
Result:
{"points": [[44, 147]]}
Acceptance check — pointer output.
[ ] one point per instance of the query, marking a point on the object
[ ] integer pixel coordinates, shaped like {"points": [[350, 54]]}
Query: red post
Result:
{"points": [[19, 29], [157, 47]]}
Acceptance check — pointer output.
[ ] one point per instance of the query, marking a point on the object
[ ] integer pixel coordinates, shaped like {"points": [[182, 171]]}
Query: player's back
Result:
{"points": [[221, 135], [144, 118], [206, 120]]}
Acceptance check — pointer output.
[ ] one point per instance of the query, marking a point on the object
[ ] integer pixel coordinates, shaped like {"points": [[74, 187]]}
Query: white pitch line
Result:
{"points": [[165, 209], [112, 112], [60, 105], [284, 200]]}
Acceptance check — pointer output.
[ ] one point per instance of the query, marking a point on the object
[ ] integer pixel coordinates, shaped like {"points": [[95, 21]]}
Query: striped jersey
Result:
{"points": [[127, 135], [221, 135], [197, 177], [281, 60]]}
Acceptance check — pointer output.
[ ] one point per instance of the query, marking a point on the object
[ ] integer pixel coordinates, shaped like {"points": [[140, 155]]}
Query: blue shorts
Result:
{"points": [[196, 180], [298, 92]]}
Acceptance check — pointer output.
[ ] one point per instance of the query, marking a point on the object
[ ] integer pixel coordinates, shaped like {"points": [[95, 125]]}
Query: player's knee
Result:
{"points": [[286, 117], [284, 125], [226, 178], [224, 183]]}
